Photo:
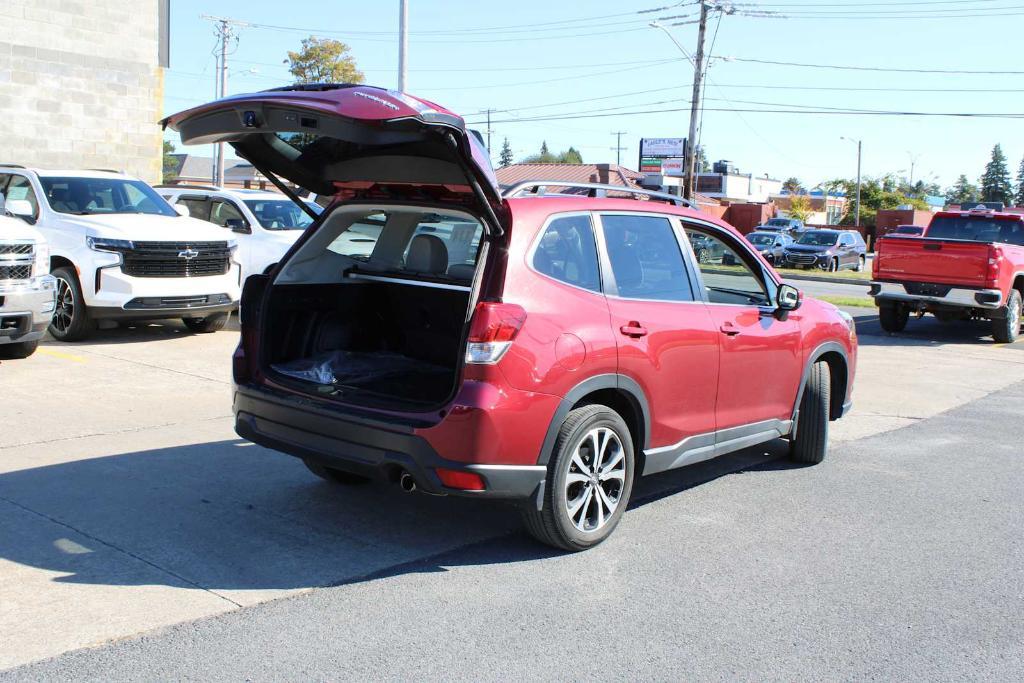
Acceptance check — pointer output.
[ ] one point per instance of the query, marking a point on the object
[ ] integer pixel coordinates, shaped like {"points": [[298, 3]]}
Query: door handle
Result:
{"points": [[729, 329], [633, 329]]}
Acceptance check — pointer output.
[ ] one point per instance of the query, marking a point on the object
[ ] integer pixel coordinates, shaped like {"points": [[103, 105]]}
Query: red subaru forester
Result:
{"points": [[547, 348]]}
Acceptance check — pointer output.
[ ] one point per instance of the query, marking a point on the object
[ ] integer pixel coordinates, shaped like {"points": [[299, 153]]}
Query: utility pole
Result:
{"points": [[403, 42], [618, 146], [856, 218], [913, 162], [223, 27], [489, 131], [698, 74]]}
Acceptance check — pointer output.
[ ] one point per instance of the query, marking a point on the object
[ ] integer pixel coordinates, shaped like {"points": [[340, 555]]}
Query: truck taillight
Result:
{"points": [[492, 330], [874, 263], [995, 260]]}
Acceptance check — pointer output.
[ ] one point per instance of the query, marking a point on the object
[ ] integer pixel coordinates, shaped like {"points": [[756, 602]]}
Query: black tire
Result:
{"points": [[335, 476], [893, 317], [833, 265], [1006, 328], [861, 262], [811, 441], [71, 320], [211, 323], [553, 525], [18, 350]]}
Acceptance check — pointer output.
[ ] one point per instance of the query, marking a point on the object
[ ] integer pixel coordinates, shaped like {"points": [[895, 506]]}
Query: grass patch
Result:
{"points": [[856, 301], [817, 272]]}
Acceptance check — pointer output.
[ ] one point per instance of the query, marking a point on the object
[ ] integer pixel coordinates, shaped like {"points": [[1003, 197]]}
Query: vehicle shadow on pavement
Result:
{"points": [[231, 516], [926, 331], [140, 332]]}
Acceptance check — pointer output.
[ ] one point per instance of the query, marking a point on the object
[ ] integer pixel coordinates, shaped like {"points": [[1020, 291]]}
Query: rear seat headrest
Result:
{"points": [[461, 271], [427, 254]]}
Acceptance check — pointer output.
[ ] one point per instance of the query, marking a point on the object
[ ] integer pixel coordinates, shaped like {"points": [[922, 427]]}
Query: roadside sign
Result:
{"points": [[648, 165], [672, 168], [662, 148]]}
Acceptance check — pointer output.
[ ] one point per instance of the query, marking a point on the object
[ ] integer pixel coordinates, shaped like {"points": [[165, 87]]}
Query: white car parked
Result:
{"points": [[26, 287], [119, 251], [266, 224]]}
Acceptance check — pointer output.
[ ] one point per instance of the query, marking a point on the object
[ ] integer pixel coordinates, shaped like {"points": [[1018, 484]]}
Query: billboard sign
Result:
{"points": [[672, 168], [648, 165], [662, 148]]}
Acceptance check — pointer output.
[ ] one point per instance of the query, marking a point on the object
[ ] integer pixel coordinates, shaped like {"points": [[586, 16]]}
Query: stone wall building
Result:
{"points": [[81, 84]]}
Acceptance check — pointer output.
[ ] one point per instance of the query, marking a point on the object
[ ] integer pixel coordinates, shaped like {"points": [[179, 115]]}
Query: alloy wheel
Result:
{"points": [[595, 480], [1014, 318], [64, 313]]}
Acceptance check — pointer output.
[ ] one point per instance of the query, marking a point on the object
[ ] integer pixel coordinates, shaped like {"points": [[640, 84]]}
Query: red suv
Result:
{"points": [[458, 339]]}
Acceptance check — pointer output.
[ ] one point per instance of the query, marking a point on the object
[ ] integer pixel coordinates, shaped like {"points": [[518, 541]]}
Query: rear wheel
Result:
{"points": [[333, 475], [811, 441], [703, 256], [1006, 329], [859, 268], [18, 349], [71, 321], [893, 317], [211, 323], [590, 479]]}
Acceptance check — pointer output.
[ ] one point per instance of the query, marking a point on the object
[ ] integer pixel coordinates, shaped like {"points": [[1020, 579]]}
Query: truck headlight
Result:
{"points": [[42, 262], [104, 244]]}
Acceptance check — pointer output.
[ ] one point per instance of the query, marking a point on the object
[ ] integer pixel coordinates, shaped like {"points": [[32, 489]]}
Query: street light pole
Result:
{"points": [[856, 218], [403, 41]]}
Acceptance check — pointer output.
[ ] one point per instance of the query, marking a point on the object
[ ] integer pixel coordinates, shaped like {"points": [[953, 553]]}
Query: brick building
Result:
{"points": [[81, 83]]}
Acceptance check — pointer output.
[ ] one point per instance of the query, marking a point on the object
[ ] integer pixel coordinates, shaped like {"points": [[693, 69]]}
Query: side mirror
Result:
{"points": [[787, 299], [182, 210], [20, 207], [237, 225]]}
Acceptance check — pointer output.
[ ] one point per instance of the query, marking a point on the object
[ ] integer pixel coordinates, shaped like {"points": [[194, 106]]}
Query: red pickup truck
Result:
{"points": [[967, 265]]}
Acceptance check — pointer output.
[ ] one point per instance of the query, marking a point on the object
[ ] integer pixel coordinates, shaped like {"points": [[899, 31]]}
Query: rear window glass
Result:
{"points": [[977, 228]]}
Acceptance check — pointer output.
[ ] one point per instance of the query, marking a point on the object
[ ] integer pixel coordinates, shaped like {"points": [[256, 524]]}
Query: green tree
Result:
{"points": [[962, 191], [323, 60], [570, 156], [1019, 199], [800, 207], [793, 186], [505, 159], [170, 165], [876, 194], [995, 182]]}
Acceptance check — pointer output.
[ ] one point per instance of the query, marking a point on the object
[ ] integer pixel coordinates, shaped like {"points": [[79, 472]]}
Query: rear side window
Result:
{"points": [[646, 259], [567, 252]]}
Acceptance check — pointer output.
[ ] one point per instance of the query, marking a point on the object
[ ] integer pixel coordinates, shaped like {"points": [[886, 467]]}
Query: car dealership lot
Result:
{"points": [[127, 503]]}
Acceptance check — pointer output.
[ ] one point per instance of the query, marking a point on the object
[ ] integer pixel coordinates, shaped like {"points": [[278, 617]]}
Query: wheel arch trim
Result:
{"points": [[812, 358]]}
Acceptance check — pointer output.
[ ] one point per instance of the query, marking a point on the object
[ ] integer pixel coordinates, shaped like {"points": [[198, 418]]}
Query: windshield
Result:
{"points": [[86, 196], [761, 240], [818, 239], [281, 214], [978, 229], [783, 222]]}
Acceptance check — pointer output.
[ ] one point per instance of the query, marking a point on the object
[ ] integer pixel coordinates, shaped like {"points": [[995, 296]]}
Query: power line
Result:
{"points": [[857, 4], [872, 68]]}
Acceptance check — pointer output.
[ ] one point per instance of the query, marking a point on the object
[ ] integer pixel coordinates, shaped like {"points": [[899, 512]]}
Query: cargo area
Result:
{"points": [[373, 309]]}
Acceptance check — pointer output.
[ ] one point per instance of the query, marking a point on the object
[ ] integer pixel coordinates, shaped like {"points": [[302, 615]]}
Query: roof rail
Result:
{"points": [[538, 188], [11, 165], [186, 186], [107, 170]]}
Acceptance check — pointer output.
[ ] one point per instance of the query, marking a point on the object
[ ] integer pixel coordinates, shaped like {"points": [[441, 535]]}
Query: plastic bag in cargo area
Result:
{"points": [[354, 367]]}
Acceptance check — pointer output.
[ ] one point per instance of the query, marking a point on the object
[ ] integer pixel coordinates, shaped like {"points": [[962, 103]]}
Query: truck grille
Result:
{"points": [[176, 259], [26, 249], [19, 272]]}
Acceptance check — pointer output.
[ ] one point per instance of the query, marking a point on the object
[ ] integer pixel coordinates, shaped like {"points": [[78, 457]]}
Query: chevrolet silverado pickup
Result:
{"points": [[969, 264], [26, 287]]}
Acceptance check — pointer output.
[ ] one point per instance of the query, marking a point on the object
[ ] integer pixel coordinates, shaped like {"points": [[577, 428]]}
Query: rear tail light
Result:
{"points": [[492, 330], [995, 260], [457, 479], [874, 263]]}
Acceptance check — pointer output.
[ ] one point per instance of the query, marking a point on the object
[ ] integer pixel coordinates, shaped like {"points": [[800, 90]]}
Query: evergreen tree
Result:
{"points": [[995, 182], [962, 191], [505, 159], [571, 156], [1019, 199], [544, 153], [793, 186]]}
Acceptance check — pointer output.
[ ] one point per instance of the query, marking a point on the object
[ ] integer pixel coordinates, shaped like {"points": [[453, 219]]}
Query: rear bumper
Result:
{"points": [[26, 307], [366, 446], [961, 297]]}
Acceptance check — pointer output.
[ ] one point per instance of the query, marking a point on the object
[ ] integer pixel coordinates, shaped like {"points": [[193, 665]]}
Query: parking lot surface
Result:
{"points": [[127, 504]]}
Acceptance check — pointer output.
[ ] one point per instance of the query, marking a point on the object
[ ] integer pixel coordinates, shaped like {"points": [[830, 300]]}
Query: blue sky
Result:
{"points": [[522, 59]]}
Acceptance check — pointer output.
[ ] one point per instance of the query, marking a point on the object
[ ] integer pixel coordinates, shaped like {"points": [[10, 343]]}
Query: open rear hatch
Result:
{"points": [[371, 307]]}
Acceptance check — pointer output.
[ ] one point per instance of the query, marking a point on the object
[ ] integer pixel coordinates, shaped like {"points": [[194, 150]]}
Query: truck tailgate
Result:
{"points": [[955, 262]]}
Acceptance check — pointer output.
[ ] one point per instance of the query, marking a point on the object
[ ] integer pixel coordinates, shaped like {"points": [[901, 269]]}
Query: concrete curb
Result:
{"points": [[816, 278]]}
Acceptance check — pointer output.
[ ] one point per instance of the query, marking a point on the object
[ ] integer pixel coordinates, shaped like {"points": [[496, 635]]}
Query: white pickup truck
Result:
{"points": [[26, 287], [119, 251]]}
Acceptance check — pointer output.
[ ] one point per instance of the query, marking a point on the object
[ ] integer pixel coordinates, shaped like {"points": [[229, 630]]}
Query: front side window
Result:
{"points": [[280, 214], [88, 196], [645, 258], [221, 212], [567, 253], [19, 187], [732, 279]]}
